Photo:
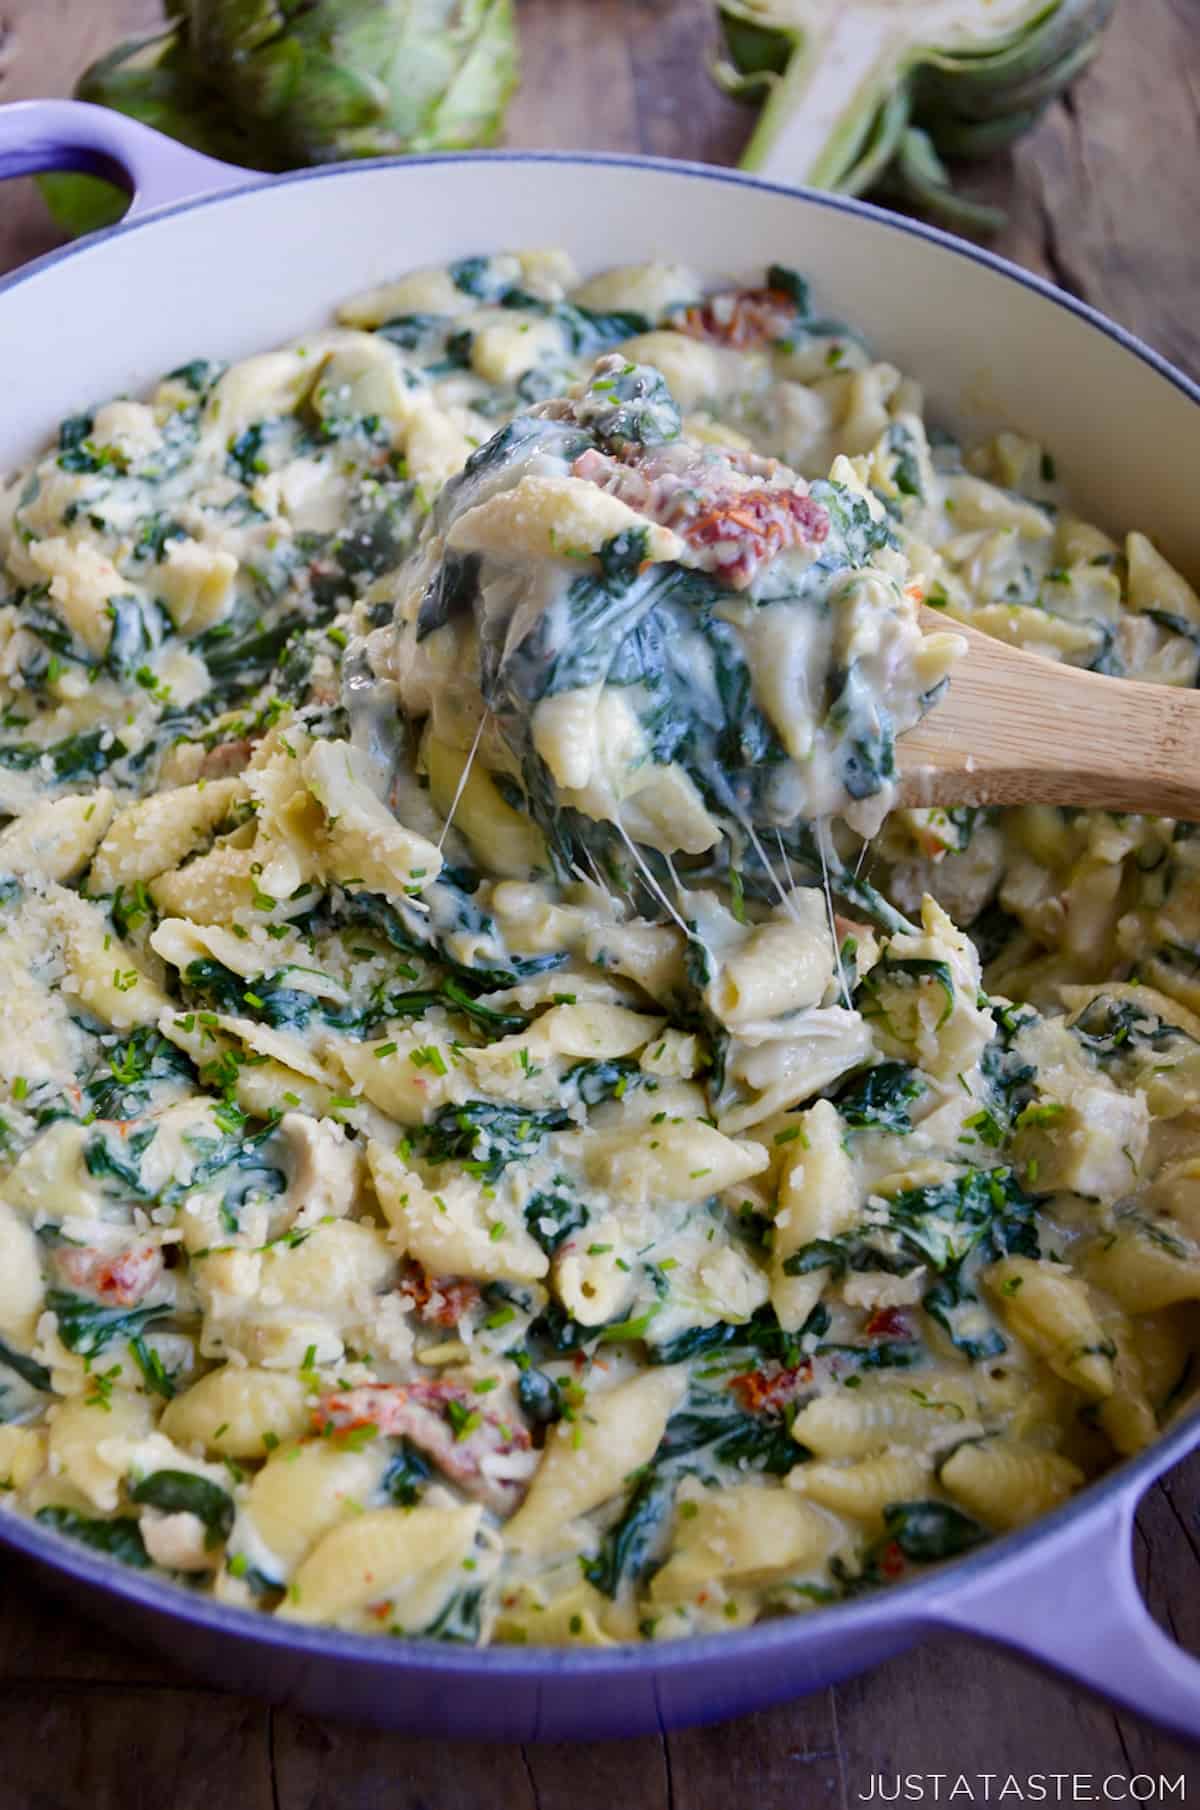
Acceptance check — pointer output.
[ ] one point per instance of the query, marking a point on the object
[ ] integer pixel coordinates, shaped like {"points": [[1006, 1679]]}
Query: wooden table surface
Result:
{"points": [[1104, 199]]}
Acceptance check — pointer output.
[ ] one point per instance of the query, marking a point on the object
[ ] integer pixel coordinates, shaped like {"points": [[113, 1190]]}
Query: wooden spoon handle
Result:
{"points": [[1016, 728]]}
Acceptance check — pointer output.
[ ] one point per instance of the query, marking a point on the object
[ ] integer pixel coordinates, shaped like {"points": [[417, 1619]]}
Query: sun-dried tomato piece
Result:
{"points": [[891, 1560], [440, 1300], [747, 529], [120, 1279], [740, 318], [770, 1391], [446, 1421], [732, 524], [887, 1323]]}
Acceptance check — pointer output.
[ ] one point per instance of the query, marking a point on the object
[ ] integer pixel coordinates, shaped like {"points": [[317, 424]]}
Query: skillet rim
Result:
{"points": [[1126, 1481]]}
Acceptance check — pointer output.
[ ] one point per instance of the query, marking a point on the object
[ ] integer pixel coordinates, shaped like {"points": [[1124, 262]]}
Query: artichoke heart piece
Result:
{"points": [[862, 94]]}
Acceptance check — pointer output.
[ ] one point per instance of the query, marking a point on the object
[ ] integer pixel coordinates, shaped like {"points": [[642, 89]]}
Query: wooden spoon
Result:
{"points": [[1016, 728]]}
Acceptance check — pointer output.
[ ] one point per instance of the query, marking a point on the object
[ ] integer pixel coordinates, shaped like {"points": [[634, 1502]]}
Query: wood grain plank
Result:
{"points": [[44, 46], [577, 91], [1168, 1543], [320, 1765], [681, 111], [602, 1775], [1167, 1553], [133, 1750], [1121, 192], [778, 1760], [953, 1706], [1104, 197], [623, 75]]}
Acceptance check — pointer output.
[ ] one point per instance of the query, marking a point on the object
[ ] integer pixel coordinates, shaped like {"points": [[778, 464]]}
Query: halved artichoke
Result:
{"points": [[863, 94], [276, 84]]}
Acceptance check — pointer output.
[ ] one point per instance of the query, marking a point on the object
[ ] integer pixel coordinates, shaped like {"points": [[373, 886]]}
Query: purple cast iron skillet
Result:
{"points": [[1061, 1593]]}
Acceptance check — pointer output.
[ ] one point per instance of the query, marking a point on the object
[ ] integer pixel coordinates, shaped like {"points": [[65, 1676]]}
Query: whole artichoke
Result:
{"points": [[276, 84], [866, 94]]}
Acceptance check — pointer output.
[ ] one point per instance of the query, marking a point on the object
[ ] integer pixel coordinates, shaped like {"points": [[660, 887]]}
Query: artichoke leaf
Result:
{"points": [[922, 177], [322, 80], [278, 84], [144, 78], [220, 32]]}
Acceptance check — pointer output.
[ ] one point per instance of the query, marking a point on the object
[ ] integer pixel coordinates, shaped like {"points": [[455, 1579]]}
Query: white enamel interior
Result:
{"points": [[240, 273]]}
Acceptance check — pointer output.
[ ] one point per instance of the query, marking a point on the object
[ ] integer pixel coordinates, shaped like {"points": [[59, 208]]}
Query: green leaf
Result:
{"points": [[135, 1066], [413, 332], [109, 1155], [710, 1433], [856, 532], [913, 971], [558, 1210], [695, 1342], [880, 1099], [629, 408], [951, 1303], [627, 1547], [1010, 1076], [474, 277], [74, 444], [1113, 1030], [850, 1252], [92, 751], [790, 283], [87, 1327], [607, 1079], [540, 1397], [137, 631], [199, 374], [946, 1220], [248, 455], [486, 1137], [457, 913], [880, 1354], [26, 1367], [182, 1492], [157, 1378], [455, 998], [927, 1531], [406, 1476], [906, 468], [119, 1538], [460, 1620], [555, 1328]]}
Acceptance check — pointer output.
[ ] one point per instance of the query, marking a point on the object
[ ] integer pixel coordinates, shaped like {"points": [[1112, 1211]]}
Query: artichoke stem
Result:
{"points": [[821, 110]]}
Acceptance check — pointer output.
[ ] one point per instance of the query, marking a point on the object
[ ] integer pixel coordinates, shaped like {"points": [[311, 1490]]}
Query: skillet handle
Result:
{"points": [[1073, 1605], [36, 136]]}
